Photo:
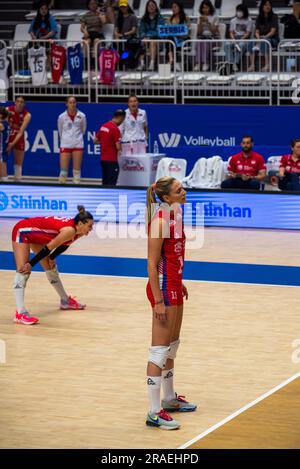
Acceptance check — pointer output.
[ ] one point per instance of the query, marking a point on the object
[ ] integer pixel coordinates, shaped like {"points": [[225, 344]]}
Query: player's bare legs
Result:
{"points": [[21, 253], [77, 162], [18, 163], [160, 345], [49, 266], [3, 169], [161, 335], [64, 159]]}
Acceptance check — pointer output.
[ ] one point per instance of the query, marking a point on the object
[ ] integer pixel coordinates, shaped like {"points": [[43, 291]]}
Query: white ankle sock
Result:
{"points": [[19, 285], [168, 384], [76, 175], [54, 279], [153, 384], [18, 171]]}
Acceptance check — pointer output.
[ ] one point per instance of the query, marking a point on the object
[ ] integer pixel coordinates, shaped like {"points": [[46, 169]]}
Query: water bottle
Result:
{"points": [[155, 148]]}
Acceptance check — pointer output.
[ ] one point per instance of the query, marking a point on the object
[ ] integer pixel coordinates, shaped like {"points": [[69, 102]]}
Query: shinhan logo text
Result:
{"points": [[173, 141], [31, 203]]}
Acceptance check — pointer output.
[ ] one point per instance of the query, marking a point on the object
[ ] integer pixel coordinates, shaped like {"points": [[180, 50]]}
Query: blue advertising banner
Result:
{"points": [[183, 131], [240, 210]]}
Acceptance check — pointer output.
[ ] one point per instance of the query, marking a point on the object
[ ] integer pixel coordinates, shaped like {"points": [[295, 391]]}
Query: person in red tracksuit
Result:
{"points": [[19, 119], [47, 237]]}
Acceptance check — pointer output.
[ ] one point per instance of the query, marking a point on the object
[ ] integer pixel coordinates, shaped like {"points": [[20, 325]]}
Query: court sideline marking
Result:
{"points": [[240, 411]]}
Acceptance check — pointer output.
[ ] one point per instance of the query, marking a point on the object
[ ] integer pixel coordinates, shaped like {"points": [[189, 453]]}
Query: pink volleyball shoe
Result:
{"points": [[72, 303], [24, 318]]}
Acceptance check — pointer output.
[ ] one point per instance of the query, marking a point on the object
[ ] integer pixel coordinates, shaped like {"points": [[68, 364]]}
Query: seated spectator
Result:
{"points": [[240, 29], [289, 171], [44, 25], [247, 169], [178, 17], [92, 23], [266, 27], [207, 28], [149, 30], [126, 25]]}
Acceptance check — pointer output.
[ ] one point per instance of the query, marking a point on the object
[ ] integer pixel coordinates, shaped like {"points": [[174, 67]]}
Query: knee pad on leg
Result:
{"points": [[52, 276], [20, 280], [158, 354], [173, 349]]}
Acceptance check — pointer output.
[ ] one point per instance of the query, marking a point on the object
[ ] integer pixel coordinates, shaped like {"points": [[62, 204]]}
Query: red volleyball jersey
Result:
{"points": [[58, 60], [41, 230], [170, 266], [15, 120], [108, 59]]}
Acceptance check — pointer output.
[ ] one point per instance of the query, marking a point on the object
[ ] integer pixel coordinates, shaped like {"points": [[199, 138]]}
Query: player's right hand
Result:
{"points": [[160, 312], [26, 268]]}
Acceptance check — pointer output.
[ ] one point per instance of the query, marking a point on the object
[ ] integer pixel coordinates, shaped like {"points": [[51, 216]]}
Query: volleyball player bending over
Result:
{"points": [[165, 291], [47, 237]]}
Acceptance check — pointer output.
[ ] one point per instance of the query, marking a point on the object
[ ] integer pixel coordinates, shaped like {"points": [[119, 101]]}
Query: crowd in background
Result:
{"points": [[127, 27]]}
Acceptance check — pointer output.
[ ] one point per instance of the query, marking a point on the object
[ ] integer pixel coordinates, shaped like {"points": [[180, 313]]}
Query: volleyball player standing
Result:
{"points": [[165, 291]]}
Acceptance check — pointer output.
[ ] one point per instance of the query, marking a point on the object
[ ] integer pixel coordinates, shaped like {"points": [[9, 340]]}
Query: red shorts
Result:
{"points": [[69, 150], [172, 296], [22, 233], [20, 145]]}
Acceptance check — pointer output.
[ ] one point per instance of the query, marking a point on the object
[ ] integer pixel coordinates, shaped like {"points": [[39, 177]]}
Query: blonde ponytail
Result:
{"points": [[161, 188], [151, 201]]}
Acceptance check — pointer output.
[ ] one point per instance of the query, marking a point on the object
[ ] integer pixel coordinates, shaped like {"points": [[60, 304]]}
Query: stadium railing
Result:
{"points": [[21, 78], [226, 74], [182, 82], [288, 67], [159, 83]]}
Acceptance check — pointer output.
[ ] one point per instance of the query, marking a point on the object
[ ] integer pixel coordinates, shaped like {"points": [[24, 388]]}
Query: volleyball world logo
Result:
{"points": [[3, 201]]}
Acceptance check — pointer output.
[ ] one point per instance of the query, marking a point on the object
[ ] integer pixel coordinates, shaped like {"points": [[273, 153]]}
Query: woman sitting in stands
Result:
{"points": [[44, 25], [149, 30], [178, 17], [207, 29], [240, 29], [266, 28]]}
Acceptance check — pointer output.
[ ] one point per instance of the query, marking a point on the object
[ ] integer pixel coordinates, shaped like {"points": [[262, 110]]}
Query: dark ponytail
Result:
{"points": [[82, 215]]}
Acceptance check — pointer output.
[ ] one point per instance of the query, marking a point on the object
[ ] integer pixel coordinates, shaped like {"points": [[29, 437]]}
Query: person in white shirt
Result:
{"points": [[71, 129], [134, 129], [207, 29], [241, 27]]}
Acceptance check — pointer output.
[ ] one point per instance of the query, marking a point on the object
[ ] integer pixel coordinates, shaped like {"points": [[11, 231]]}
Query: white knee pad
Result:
{"points": [[52, 276], [173, 349], [20, 280], [158, 354]]}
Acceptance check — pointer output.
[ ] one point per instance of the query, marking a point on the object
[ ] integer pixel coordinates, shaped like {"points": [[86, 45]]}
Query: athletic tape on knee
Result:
{"points": [[158, 354], [52, 275], [20, 280], [173, 349]]}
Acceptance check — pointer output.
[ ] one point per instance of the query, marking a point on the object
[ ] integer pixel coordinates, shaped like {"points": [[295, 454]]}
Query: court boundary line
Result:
{"points": [[185, 280], [240, 411]]}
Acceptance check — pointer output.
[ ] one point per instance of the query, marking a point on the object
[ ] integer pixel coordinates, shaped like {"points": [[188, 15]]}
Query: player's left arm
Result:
{"points": [[83, 124], [65, 235], [261, 175], [20, 134], [261, 170]]}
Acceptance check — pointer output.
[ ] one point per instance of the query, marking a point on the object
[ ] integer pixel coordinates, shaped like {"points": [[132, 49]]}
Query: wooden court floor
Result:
{"points": [[273, 423], [77, 379]]}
